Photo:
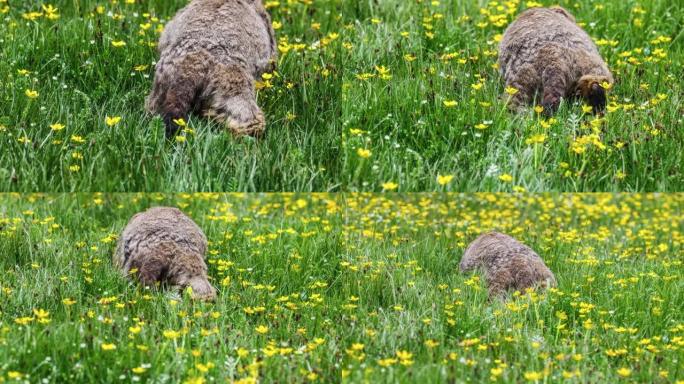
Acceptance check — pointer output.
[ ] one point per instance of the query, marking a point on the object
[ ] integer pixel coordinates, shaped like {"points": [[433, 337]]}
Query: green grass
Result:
{"points": [[82, 78], [413, 137], [318, 102], [344, 284]]}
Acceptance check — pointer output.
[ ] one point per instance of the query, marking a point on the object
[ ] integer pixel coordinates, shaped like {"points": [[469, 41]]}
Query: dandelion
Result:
{"points": [[181, 139], [624, 372], [390, 186], [108, 347], [118, 43], [112, 121], [444, 179], [450, 103], [533, 376], [262, 329]]}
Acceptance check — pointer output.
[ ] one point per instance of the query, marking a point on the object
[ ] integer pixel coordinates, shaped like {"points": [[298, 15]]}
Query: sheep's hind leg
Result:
{"points": [[187, 79], [526, 82], [233, 101]]}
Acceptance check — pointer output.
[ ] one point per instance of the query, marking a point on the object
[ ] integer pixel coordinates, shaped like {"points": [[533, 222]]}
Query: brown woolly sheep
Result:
{"points": [[506, 263], [212, 52], [545, 51], [164, 245]]}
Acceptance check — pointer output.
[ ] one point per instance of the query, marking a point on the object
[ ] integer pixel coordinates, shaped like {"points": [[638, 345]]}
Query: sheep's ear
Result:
{"points": [[564, 12]]}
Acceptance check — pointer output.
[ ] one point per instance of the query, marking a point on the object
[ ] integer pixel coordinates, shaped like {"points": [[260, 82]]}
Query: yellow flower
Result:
{"points": [[108, 347], [539, 109], [57, 127], [118, 44], [171, 334], [68, 302], [624, 372], [587, 108], [262, 329], [364, 153], [389, 186], [180, 122], [506, 178], [511, 91], [450, 103], [444, 179], [112, 121], [31, 94], [181, 139], [533, 376], [139, 370], [242, 352]]}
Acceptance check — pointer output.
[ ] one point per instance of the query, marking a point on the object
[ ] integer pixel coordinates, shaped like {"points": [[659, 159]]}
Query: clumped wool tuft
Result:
{"points": [[212, 52], [164, 245], [507, 264], [544, 51]]}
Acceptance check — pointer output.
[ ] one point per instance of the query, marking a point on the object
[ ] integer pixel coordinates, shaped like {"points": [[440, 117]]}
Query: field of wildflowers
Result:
{"points": [[368, 96], [346, 288], [424, 104], [74, 76]]}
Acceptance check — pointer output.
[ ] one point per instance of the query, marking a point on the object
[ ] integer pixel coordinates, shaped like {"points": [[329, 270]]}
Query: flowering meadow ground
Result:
{"points": [[393, 95], [346, 288], [422, 98], [74, 76]]}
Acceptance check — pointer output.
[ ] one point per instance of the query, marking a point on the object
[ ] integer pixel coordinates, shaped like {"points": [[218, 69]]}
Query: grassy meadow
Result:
{"points": [[73, 79], [422, 98], [368, 96], [346, 288]]}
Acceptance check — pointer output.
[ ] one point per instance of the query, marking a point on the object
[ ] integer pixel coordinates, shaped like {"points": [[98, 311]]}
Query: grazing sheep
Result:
{"points": [[212, 52], [545, 51], [506, 263], [164, 245]]}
